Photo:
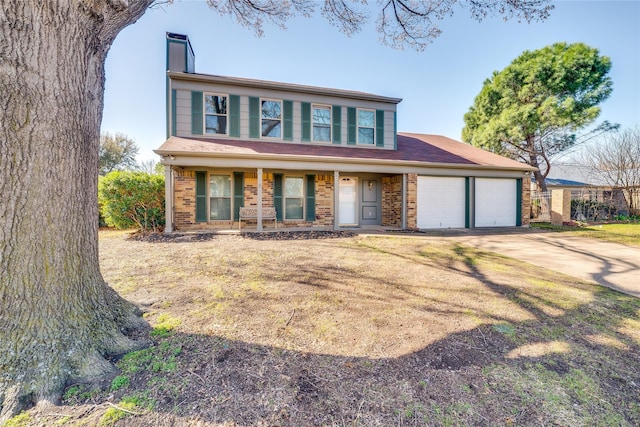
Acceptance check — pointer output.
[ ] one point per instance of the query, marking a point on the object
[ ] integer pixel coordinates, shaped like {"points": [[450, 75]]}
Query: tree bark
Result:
{"points": [[58, 317], [533, 161]]}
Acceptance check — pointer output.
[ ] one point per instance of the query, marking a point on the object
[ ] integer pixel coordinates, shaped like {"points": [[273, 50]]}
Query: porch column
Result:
{"points": [[259, 226], [336, 201], [168, 197], [404, 201]]}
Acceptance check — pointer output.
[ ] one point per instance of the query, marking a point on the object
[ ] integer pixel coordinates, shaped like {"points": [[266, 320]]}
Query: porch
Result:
{"points": [[211, 199]]}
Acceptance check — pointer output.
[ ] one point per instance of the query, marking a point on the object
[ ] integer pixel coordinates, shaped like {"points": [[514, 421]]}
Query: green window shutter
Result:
{"points": [[379, 128], [395, 130], [287, 113], [311, 198], [254, 117], [196, 113], [337, 124], [201, 196], [277, 195], [519, 202], [306, 121], [234, 115], [238, 194], [351, 126], [173, 112]]}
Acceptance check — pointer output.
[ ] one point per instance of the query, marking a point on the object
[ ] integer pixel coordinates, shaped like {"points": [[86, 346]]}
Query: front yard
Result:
{"points": [[385, 330]]}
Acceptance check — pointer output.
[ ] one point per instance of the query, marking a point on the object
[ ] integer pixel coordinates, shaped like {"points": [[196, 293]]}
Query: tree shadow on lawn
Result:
{"points": [[493, 375], [566, 363], [605, 266]]}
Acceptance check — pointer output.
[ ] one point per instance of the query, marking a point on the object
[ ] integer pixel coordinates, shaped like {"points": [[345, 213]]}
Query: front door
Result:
{"points": [[370, 207], [348, 201]]}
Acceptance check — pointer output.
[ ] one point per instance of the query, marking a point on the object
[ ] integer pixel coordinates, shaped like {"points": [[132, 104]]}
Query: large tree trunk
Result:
{"points": [[533, 161], [58, 318]]}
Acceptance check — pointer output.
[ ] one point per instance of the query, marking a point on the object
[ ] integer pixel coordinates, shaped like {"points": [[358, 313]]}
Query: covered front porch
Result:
{"points": [[211, 199]]}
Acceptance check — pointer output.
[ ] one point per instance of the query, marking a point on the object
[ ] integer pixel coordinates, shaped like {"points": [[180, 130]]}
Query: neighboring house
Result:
{"points": [[559, 184], [322, 157], [585, 184]]}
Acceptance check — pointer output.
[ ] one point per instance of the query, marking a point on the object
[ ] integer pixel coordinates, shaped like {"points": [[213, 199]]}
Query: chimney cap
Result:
{"points": [[177, 36]]}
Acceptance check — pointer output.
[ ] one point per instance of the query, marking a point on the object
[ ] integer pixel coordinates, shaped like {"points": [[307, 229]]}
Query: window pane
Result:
{"points": [[366, 118], [271, 128], [365, 136], [293, 187], [219, 186], [216, 124], [321, 116], [293, 209], [214, 104], [321, 133], [271, 110], [220, 208]]}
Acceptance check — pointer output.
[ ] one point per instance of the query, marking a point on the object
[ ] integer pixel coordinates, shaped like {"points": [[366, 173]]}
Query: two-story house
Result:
{"points": [[321, 157]]}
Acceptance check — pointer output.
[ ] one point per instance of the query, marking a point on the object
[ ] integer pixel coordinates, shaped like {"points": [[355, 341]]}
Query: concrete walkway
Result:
{"points": [[613, 265]]}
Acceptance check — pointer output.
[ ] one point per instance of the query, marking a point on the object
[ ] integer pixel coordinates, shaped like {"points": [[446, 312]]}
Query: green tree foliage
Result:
{"points": [[132, 199], [533, 109], [117, 152]]}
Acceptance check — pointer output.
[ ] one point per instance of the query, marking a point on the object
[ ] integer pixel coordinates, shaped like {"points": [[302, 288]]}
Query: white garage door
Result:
{"points": [[441, 202], [495, 202]]}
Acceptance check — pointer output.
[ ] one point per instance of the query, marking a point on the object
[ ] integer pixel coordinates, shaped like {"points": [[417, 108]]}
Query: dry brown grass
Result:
{"points": [[368, 330]]}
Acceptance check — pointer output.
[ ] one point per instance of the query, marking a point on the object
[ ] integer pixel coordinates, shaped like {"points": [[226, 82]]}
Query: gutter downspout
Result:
{"points": [[168, 197], [336, 201], [259, 226]]}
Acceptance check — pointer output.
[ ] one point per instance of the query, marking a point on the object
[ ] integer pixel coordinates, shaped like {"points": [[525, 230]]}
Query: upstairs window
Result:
{"points": [[271, 119], [366, 127], [321, 123], [215, 114]]}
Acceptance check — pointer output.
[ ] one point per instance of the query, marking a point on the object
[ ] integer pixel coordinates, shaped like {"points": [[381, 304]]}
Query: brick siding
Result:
{"points": [[392, 201], [185, 201]]}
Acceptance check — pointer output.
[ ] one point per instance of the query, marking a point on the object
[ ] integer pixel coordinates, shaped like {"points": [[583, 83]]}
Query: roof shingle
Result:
{"points": [[411, 148]]}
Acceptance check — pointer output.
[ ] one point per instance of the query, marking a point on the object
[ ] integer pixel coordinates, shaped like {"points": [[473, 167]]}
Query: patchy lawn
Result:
{"points": [[370, 331], [625, 233]]}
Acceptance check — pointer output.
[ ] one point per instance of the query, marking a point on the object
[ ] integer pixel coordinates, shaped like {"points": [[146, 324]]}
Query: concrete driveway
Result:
{"points": [[609, 264]]}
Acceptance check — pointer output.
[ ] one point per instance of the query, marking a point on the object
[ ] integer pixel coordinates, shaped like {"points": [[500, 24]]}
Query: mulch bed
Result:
{"points": [[265, 235], [299, 235]]}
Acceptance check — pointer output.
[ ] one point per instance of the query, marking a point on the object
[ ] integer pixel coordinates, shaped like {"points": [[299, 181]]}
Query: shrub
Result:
{"points": [[132, 199], [592, 210]]}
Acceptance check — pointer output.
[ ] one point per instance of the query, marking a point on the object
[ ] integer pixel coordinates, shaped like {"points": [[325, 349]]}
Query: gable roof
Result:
{"points": [[412, 149], [456, 150], [576, 172]]}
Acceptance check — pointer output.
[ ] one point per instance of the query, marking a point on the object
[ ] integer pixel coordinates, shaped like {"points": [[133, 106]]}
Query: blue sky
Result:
{"points": [[437, 85]]}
